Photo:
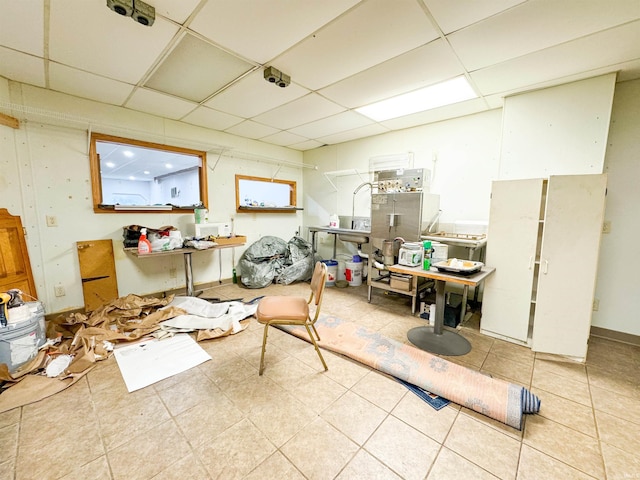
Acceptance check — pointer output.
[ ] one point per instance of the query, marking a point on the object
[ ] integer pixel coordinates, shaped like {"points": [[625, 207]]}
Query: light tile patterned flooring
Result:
{"points": [[222, 421]]}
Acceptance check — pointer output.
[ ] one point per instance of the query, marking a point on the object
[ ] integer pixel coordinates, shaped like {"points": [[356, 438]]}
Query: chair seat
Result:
{"points": [[294, 309]]}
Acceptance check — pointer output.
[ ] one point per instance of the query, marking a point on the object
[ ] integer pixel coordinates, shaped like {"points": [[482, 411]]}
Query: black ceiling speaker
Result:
{"points": [[143, 13], [122, 7], [273, 75]]}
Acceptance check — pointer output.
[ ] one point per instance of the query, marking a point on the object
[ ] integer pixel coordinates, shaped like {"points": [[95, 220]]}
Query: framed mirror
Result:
{"points": [[132, 175]]}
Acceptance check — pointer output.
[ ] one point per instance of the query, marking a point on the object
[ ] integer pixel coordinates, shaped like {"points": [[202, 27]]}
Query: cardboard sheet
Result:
{"points": [[147, 362]]}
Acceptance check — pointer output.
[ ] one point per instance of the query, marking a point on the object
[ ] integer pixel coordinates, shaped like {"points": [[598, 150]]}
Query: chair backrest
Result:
{"points": [[318, 281]]}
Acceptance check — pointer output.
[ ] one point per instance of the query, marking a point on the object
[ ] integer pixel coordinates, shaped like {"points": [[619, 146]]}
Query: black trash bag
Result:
{"points": [[272, 259]]}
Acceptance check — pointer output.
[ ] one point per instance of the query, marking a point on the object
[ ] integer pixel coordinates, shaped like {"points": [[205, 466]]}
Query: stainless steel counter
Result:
{"points": [[345, 234]]}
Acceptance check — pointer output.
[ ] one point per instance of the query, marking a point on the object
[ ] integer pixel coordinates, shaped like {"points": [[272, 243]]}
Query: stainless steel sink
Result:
{"points": [[353, 238]]}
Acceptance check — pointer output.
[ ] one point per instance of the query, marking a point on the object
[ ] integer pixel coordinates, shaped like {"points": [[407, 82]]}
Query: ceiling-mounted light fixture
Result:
{"points": [[141, 12], [444, 93], [273, 75]]}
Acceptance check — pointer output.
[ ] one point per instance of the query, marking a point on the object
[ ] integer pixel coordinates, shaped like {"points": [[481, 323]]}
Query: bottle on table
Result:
{"points": [[426, 255], [144, 245]]}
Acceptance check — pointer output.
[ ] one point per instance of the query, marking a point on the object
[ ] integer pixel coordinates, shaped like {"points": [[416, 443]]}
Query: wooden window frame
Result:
{"points": [[292, 208], [96, 178]]}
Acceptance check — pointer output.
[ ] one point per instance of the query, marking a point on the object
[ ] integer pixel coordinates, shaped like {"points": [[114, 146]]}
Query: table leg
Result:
{"points": [[435, 339], [335, 240], [188, 274], [314, 247], [463, 306]]}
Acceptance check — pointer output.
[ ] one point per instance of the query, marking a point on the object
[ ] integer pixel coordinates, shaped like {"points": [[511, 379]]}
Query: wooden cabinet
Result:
{"points": [[544, 239], [15, 268]]}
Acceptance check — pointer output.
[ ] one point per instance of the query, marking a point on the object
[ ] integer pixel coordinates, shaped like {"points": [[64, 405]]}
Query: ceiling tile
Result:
{"points": [[366, 131], [159, 104], [87, 85], [307, 145], [15, 26], [284, 139], [109, 44], [260, 30], [452, 16], [176, 11], [540, 24], [437, 114], [22, 67], [330, 125], [367, 35], [250, 129], [402, 74], [207, 117], [610, 47], [303, 110], [195, 69], [253, 95]]}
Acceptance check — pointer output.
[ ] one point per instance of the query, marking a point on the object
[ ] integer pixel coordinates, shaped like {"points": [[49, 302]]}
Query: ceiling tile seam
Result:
{"points": [[46, 39], [445, 39], [311, 35], [552, 47], [555, 45], [228, 85], [171, 45]]}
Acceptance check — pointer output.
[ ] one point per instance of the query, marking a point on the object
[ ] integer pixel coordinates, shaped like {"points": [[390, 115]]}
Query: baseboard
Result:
{"points": [[617, 336]]}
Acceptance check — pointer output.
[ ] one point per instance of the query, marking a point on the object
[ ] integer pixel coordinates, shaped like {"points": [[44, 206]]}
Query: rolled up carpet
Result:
{"points": [[493, 397]]}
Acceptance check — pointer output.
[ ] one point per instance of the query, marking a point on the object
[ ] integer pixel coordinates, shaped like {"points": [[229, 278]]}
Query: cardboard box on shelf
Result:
{"points": [[236, 240]]}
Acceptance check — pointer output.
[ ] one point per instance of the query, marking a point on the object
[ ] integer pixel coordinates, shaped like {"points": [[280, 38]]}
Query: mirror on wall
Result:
{"points": [[142, 176]]}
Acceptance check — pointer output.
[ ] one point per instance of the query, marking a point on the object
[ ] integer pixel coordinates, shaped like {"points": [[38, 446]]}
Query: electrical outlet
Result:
{"points": [[58, 291], [596, 304], [52, 221], [606, 227], [173, 273]]}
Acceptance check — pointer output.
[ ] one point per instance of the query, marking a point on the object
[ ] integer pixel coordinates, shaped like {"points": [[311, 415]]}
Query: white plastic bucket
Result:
{"points": [[439, 253], [332, 272], [353, 273], [19, 341]]}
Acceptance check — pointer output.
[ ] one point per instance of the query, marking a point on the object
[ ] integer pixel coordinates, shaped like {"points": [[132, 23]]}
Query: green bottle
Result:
{"points": [[426, 255], [235, 279]]}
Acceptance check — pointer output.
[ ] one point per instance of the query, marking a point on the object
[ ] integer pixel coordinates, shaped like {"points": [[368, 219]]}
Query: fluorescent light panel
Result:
{"points": [[433, 96]]}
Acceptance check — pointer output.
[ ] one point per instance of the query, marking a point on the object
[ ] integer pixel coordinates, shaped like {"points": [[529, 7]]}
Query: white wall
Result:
{"points": [[557, 131], [462, 155], [44, 170], [466, 151], [618, 281]]}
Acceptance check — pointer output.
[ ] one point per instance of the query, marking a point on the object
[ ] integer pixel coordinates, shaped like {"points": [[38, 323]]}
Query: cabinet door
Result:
{"points": [[15, 268], [98, 272], [568, 264], [511, 248]]}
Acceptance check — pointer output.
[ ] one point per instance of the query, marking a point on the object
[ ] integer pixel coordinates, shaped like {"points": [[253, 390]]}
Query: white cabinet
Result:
{"points": [[543, 239]]}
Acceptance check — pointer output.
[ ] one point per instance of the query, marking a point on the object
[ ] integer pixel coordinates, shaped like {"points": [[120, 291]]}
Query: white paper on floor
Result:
{"points": [[148, 362]]}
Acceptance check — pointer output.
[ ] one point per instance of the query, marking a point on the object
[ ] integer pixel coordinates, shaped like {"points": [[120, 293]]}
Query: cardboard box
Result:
{"points": [[237, 240], [401, 281]]}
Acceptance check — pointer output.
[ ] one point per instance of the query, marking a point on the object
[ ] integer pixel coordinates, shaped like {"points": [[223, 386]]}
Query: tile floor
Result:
{"points": [[222, 421]]}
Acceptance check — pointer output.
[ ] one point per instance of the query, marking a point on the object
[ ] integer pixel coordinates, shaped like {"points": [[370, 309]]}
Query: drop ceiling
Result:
{"points": [[202, 61]]}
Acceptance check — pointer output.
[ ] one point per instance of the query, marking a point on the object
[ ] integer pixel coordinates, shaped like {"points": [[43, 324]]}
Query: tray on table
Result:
{"points": [[462, 267]]}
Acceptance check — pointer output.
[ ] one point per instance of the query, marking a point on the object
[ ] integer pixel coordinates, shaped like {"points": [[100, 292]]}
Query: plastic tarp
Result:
{"points": [[272, 259]]}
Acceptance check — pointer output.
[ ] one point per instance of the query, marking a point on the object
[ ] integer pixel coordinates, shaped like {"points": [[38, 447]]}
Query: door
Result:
{"points": [[98, 273], [568, 264], [512, 238], [15, 267]]}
